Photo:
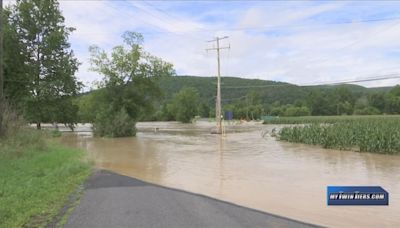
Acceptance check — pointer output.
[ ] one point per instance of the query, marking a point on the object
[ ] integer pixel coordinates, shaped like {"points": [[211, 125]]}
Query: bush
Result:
{"points": [[114, 124], [297, 111], [16, 138], [367, 111], [185, 104]]}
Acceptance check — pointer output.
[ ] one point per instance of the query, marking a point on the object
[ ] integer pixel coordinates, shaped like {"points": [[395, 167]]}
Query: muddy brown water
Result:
{"points": [[246, 168]]}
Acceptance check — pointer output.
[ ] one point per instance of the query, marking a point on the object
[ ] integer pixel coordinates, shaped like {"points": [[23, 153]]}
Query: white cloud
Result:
{"points": [[303, 54]]}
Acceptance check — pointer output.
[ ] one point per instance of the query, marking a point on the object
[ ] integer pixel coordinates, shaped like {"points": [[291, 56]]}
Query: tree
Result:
{"points": [[320, 103], [392, 100], [45, 66], [367, 110], [296, 111], [129, 86], [377, 100], [16, 78], [344, 100], [185, 104], [204, 110], [253, 105]]}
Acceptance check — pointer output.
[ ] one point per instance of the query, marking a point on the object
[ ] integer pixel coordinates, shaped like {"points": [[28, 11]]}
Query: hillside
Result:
{"points": [[253, 98], [233, 88]]}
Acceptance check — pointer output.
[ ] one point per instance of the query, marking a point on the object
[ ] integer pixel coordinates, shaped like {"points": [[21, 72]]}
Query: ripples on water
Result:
{"points": [[245, 168]]}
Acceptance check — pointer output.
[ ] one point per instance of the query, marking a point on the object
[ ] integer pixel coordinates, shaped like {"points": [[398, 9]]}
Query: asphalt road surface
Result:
{"points": [[112, 200]]}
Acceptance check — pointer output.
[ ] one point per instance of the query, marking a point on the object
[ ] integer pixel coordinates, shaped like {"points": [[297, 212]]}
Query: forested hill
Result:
{"points": [[234, 88], [253, 98]]}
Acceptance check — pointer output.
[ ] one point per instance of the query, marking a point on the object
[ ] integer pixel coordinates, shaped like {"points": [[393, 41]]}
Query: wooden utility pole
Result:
{"points": [[218, 100]]}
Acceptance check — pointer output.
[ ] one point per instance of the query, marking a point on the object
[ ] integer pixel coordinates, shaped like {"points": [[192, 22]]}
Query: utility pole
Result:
{"points": [[218, 100]]}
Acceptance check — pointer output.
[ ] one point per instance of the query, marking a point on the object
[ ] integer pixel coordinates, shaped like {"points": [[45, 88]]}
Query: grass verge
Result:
{"points": [[36, 178]]}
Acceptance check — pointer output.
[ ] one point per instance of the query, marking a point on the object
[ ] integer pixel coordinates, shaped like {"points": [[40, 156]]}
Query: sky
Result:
{"points": [[300, 42]]}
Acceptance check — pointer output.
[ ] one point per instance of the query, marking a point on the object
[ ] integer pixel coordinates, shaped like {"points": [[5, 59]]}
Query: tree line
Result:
{"points": [[40, 67], [287, 100]]}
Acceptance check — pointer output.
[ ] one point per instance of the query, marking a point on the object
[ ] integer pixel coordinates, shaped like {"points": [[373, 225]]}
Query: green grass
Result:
{"points": [[36, 178], [374, 134], [328, 119]]}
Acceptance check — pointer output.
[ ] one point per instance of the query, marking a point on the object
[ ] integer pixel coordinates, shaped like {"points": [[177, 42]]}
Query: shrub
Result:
{"points": [[114, 124], [367, 111], [297, 111], [185, 104]]}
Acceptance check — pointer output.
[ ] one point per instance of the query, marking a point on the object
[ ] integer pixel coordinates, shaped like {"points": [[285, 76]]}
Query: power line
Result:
{"points": [[240, 28], [373, 78], [376, 78], [151, 25], [302, 26], [286, 26], [272, 26], [161, 10], [255, 86]]}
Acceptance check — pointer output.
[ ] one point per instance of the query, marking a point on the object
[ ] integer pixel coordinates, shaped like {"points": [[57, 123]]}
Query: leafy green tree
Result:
{"points": [[367, 110], [344, 94], [204, 110], [129, 85], [185, 104], [253, 105], [277, 111], [344, 100], [17, 80], [361, 103], [88, 105], [45, 66], [296, 111], [344, 108], [377, 100], [66, 112], [320, 103], [392, 100]]}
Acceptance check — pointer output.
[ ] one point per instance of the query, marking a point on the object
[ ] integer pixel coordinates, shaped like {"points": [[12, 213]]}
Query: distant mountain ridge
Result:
{"points": [[233, 88]]}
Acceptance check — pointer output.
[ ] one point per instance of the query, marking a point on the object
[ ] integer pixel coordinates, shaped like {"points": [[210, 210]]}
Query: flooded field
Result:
{"points": [[250, 170]]}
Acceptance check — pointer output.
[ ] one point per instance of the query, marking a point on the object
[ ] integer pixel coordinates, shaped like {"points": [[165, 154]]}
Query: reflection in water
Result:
{"points": [[247, 169]]}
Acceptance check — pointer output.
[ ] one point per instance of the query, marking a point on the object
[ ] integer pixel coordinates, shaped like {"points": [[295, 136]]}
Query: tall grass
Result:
{"points": [[379, 135], [36, 174]]}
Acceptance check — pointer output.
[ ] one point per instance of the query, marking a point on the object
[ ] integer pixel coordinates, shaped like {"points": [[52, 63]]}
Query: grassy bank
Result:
{"points": [[329, 119], [378, 135], [36, 178]]}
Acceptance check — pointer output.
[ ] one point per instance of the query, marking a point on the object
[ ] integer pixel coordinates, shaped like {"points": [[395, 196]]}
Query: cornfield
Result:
{"points": [[328, 119], [379, 135]]}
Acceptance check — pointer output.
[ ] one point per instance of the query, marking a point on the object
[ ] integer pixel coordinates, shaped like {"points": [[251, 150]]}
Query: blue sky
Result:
{"points": [[297, 42]]}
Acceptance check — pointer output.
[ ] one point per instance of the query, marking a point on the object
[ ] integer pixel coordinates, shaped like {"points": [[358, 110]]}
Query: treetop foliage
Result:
{"points": [[129, 86], [39, 64]]}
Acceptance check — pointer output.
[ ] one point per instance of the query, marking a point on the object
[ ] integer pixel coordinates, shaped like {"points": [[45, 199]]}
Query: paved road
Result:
{"points": [[112, 200]]}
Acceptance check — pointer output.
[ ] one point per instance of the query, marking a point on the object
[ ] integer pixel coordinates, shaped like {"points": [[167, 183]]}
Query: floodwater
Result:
{"points": [[248, 169]]}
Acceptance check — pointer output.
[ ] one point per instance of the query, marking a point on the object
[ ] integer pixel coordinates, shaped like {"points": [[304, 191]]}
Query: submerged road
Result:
{"points": [[113, 200]]}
